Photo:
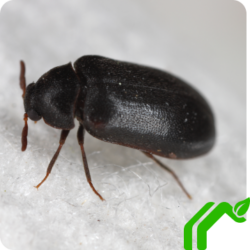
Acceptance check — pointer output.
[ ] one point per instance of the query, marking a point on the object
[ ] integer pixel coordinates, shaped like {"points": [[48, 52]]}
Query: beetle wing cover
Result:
{"points": [[145, 108]]}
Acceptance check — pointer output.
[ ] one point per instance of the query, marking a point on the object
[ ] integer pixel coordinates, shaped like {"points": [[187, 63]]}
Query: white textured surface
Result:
{"points": [[203, 43]]}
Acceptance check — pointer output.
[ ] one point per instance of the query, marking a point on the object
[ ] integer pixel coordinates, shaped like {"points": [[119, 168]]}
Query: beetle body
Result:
{"points": [[126, 104]]}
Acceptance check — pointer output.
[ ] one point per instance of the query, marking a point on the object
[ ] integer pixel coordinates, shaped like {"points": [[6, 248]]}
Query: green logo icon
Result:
{"points": [[235, 213]]}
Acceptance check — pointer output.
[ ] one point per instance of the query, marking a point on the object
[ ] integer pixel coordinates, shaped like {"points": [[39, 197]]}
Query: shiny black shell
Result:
{"points": [[143, 108], [124, 103]]}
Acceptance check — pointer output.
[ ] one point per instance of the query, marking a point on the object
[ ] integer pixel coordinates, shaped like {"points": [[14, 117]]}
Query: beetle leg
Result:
{"points": [[63, 137], [170, 171], [80, 137]]}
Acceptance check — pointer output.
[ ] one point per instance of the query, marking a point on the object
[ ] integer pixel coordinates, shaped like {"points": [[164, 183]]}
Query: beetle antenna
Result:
{"points": [[22, 77], [25, 132], [25, 118], [171, 172]]}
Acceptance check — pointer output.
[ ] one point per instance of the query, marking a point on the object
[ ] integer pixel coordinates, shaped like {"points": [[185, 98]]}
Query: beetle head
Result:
{"points": [[53, 97]]}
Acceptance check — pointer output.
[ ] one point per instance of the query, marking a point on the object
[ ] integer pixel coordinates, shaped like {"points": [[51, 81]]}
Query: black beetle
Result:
{"points": [[122, 103]]}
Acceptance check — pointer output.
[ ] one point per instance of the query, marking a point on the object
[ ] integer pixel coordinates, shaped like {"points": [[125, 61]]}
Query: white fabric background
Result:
{"points": [[202, 42]]}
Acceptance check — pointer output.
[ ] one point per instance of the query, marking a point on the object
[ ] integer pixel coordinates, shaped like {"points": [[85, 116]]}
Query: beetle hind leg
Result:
{"points": [[170, 171], [80, 137]]}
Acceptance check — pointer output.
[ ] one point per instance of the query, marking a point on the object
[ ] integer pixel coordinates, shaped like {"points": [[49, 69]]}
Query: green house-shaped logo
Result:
{"points": [[234, 213]]}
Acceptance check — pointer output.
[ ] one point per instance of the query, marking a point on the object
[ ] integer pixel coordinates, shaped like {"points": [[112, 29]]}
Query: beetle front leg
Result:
{"points": [[63, 137], [80, 137], [170, 171]]}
